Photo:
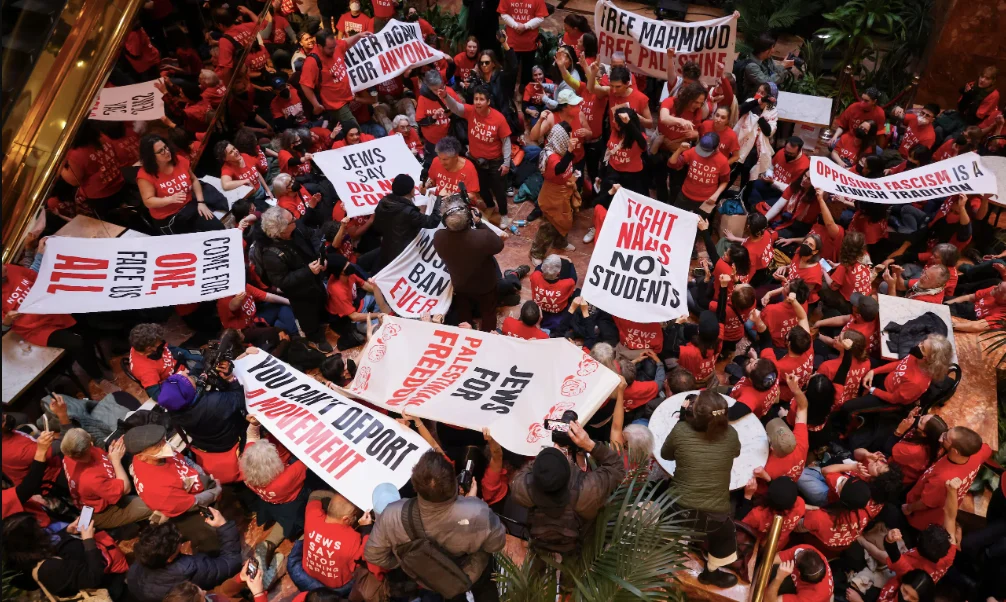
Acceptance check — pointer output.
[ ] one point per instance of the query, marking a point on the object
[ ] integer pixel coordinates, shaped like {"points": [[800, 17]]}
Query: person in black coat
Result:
{"points": [[213, 420], [399, 220], [292, 263]]}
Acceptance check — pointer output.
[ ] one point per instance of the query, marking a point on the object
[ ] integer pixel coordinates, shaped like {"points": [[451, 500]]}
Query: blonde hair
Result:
{"points": [[76, 444], [261, 464], [937, 362]]}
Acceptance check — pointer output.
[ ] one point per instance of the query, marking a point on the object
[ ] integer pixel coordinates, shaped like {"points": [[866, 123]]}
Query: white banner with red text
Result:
{"points": [[645, 41], [475, 379], [639, 268], [352, 447], [416, 282], [362, 173], [963, 174], [84, 275], [388, 53], [136, 102]]}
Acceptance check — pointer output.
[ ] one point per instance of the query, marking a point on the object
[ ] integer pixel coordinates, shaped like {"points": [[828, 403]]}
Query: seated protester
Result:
{"points": [[787, 448], [832, 235], [528, 326], [733, 313], [915, 444], [352, 301], [591, 324], [403, 128], [853, 361], [965, 454], [838, 526], [797, 209], [759, 243], [811, 575], [159, 564], [246, 142], [871, 220], [864, 319], [822, 486], [850, 277], [337, 235], [918, 156], [635, 337], [211, 417], [17, 499], [946, 255], [866, 108], [449, 169], [168, 187], [278, 484], [294, 159], [553, 286], [936, 547], [237, 170], [918, 127], [331, 548], [19, 451], [152, 360], [781, 498], [241, 312], [286, 108], [535, 93], [707, 177], [736, 263], [856, 143], [98, 479], [337, 370], [798, 359], [780, 318], [952, 221], [820, 394], [909, 377], [981, 310], [62, 563], [169, 484], [757, 391], [805, 267], [295, 198], [642, 395], [915, 584], [930, 286], [350, 135], [789, 165], [699, 355]]}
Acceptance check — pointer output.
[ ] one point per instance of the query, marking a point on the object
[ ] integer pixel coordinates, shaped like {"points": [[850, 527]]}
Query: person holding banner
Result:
{"points": [[239, 170], [399, 221], [624, 156], [707, 176], [324, 78], [167, 186]]}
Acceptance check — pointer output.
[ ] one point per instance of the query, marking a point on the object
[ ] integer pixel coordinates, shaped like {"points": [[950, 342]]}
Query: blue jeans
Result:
{"points": [[374, 129], [280, 316], [300, 578], [813, 487], [100, 422], [762, 191]]}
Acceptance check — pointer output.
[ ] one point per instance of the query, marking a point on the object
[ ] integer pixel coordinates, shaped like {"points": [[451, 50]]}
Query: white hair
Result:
{"points": [[274, 221], [261, 464], [639, 441], [604, 353], [551, 267], [281, 183], [398, 120], [76, 444]]}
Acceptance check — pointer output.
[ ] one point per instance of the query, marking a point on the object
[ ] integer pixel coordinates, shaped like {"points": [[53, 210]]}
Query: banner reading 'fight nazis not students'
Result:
{"points": [[353, 448], [389, 53]]}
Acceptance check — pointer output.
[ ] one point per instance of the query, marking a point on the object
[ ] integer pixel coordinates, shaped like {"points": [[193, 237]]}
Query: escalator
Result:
{"points": [[26, 26]]}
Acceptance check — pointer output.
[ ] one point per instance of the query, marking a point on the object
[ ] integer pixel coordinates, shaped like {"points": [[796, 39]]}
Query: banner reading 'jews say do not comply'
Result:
{"points": [[476, 379], [353, 448], [362, 173], [645, 42], [389, 53], [639, 268], [956, 175], [83, 275]]}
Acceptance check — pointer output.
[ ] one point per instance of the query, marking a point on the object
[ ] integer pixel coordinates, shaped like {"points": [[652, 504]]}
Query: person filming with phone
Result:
{"points": [[563, 498]]}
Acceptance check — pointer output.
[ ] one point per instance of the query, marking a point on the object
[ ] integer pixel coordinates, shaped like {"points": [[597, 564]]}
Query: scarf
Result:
{"points": [[750, 137], [915, 291], [557, 143]]}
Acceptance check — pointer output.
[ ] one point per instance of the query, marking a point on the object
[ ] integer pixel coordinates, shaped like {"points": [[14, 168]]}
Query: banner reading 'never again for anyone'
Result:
{"points": [[389, 53], [645, 42], [479, 379], [639, 268], [353, 448], [83, 275], [362, 173], [956, 175]]}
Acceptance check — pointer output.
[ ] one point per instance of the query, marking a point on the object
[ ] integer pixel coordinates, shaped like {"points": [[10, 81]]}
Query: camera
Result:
{"points": [[560, 428], [797, 61], [465, 478]]}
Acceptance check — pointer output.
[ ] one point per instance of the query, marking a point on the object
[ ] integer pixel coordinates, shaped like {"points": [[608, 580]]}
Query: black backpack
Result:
{"points": [[739, 87], [560, 533], [297, 84], [425, 561]]}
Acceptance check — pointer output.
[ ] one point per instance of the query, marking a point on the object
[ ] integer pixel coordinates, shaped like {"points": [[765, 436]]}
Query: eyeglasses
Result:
{"points": [[164, 150], [485, 62]]}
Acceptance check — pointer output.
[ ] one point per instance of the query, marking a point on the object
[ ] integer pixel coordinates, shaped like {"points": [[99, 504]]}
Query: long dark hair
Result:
{"points": [[148, 158], [740, 258], [632, 132], [687, 95], [25, 542], [852, 249], [497, 66], [574, 65], [930, 437], [869, 141], [708, 414]]}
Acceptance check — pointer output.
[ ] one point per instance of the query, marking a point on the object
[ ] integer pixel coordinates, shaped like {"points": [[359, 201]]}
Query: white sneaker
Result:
{"points": [[505, 223], [570, 247], [589, 236]]}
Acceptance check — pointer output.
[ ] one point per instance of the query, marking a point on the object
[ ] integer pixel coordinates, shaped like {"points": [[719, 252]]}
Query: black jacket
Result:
{"points": [[214, 421], [501, 86], [399, 222], [911, 333], [286, 265]]}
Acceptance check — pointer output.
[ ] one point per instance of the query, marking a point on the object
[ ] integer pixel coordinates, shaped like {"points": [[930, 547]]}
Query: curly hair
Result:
{"points": [[937, 362], [853, 247], [145, 336], [157, 544], [688, 94], [274, 221], [449, 145], [261, 464], [148, 158]]}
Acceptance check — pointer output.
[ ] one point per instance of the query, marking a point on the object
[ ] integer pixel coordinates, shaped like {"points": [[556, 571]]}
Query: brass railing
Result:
{"points": [[767, 555], [55, 99]]}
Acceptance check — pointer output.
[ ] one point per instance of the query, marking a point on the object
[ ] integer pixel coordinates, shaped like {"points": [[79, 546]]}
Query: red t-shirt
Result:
{"points": [[463, 65], [760, 519], [857, 279], [639, 393], [788, 172], [912, 457], [12, 505], [837, 529], [97, 170], [848, 147], [621, 159], [426, 107], [916, 134], [332, 81], [802, 366], [279, 25], [126, 149], [986, 306], [294, 202], [592, 108], [728, 138], [178, 180], [906, 383], [636, 100], [812, 276], [249, 172], [286, 487], [677, 132], [931, 488], [791, 465], [946, 151], [822, 591], [151, 372], [245, 315], [342, 143], [447, 181], [855, 114], [522, 11], [830, 245], [762, 250], [733, 327], [242, 33], [140, 52], [93, 483], [512, 327], [701, 366], [872, 231], [551, 297], [34, 328], [291, 108], [303, 168], [168, 488], [342, 295], [869, 330], [909, 561], [780, 319], [412, 140], [350, 25], [850, 388], [331, 550], [759, 402], [636, 335], [486, 134], [19, 452], [705, 174]]}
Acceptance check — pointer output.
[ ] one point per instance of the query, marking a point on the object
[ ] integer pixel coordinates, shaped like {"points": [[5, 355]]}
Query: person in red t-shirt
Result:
{"points": [[142, 55], [449, 169], [522, 18], [780, 318], [432, 115], [904, 381], [720, 125], [553, 286], [234, 37], [528, 326], [535, 93], [240, 311], [465, 62], [239, 170], [980, 311], [278, 484], [620, 93], [788, 166], [18, 498], [805, 267], [351, 135], [866, 109], [168, 186], [856, 144], [707, 177], [918, 128], [19, 451], [92, 165], [853, 362], [98, 479], [401, 127], [851, 276], [151, 360], [808, 568], [286, 107], [345, 304], [624, 155], [930, 286], [699, 356], [780, 498], [384, 11], [915, 444], [787, 447], [353, 22], [733, 311], [965, 454], [757, 391], [324, 78], [331, 547], [680, 117]]}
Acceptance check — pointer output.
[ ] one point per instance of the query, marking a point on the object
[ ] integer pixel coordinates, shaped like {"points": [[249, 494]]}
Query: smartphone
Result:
{"points": [[205, 512], [698, 272], [560, 431], [465, 477], [85, 518], [252, 569], [45, 422]]}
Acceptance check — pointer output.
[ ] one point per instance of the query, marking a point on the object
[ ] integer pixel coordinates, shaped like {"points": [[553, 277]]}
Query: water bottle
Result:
{"points": [[520, 222], [513, 228]]}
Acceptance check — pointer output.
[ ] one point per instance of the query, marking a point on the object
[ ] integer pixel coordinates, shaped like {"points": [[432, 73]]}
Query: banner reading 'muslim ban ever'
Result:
{"points": [[389, 53]]}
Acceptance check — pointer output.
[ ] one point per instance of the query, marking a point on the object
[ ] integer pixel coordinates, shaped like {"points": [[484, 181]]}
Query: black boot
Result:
{"points": [[718, 578]]}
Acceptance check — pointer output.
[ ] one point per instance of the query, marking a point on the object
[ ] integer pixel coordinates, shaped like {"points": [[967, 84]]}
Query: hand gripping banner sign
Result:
{"points": [[352, 447], [963, 174], [416, 282], [83, 275], [362, 173], [137, 102], [389, 53], [645, 42], [476, 379], [639, 268]]}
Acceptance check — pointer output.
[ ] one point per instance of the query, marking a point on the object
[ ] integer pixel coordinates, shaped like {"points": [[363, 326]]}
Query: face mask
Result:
{"points": [[790, 158], [159, 352], [412, 18], [924, 120], [164, 452], [917, 352], [805, 250], [284, 93], [860, 134], [758, 96]]}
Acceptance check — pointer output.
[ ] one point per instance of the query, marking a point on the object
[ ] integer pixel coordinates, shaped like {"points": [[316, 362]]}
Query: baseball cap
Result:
{"points": [[708, 144], [780, 437], [568, 97], [867, 305]]}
